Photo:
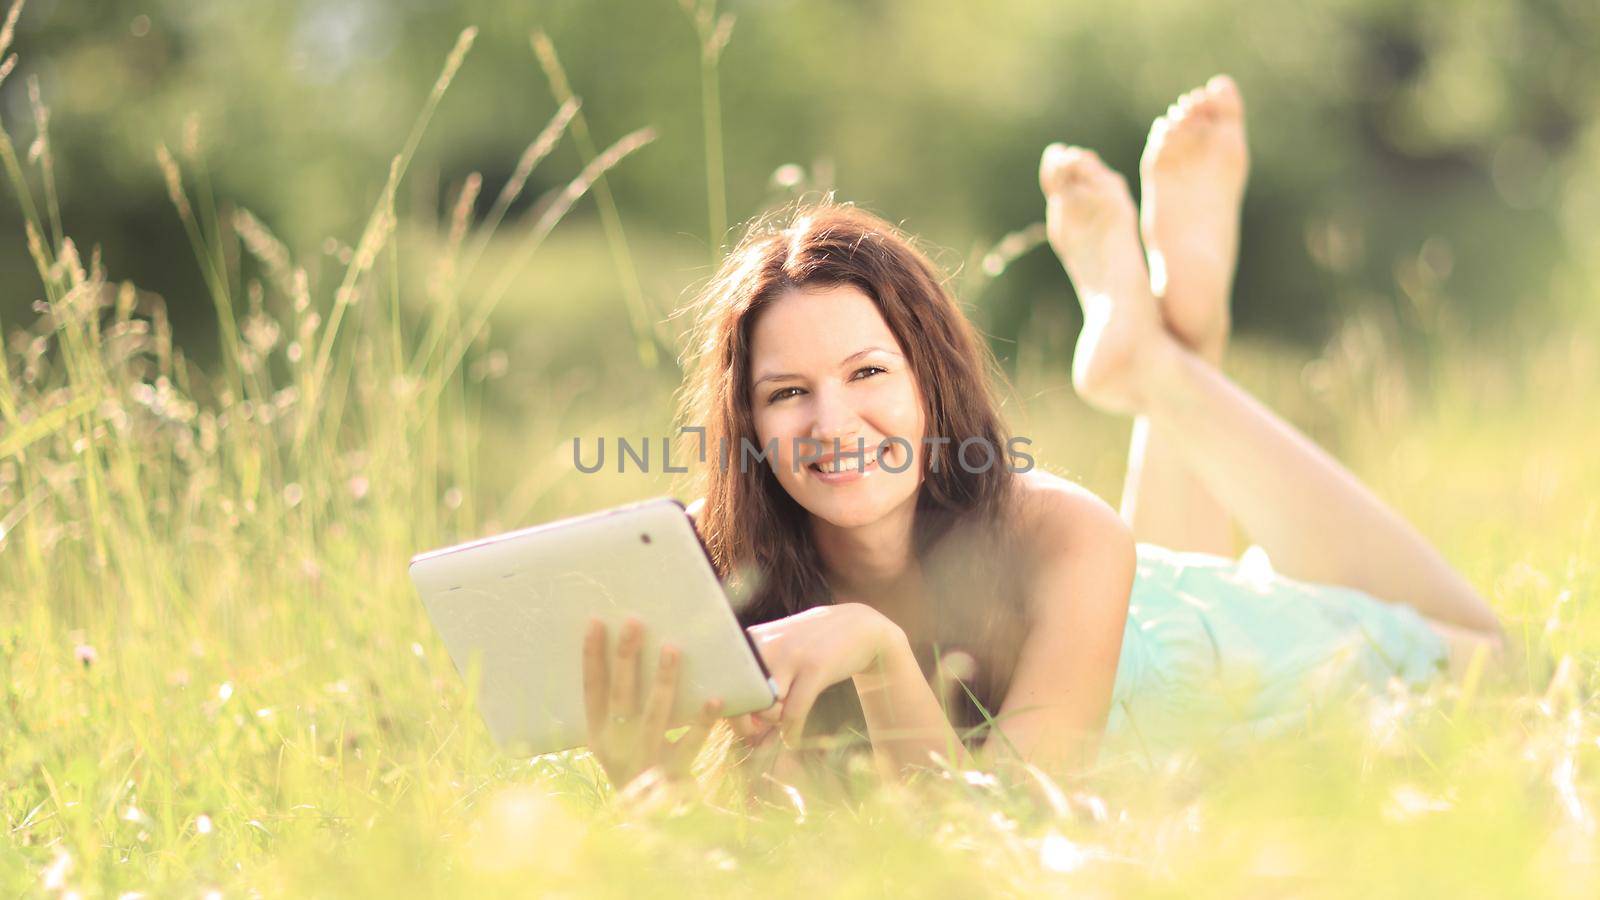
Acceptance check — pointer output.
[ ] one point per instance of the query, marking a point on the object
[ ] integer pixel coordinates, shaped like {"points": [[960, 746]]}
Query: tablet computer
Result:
{"points": [[512, 610]]}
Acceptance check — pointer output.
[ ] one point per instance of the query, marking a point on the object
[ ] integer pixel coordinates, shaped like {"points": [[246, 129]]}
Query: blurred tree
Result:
{"points": [[1379, 129]]}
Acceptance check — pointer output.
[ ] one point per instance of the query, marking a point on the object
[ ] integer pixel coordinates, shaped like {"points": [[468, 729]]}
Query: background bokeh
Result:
{"points": [[1404, 152]]}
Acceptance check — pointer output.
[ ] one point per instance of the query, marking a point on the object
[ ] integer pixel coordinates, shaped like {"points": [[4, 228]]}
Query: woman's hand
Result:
{"points": [[626, 740], [809, 652]]}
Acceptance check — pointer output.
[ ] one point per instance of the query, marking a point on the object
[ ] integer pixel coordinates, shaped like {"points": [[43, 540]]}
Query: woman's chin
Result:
{"points": [[850, 517], [853, 512]]}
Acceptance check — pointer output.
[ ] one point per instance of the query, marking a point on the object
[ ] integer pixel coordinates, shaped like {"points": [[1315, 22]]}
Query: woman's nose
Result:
{"points": [[834, 416]]}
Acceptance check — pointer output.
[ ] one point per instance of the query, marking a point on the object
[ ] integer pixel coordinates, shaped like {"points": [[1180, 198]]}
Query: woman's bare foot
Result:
{"points": [[1193, 174], [1091, 223]]}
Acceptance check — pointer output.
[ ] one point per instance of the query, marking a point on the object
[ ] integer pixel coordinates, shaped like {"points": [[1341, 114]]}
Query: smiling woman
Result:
{"points": [[830, 341], [822, 334], [864, 546], [859, 577]]}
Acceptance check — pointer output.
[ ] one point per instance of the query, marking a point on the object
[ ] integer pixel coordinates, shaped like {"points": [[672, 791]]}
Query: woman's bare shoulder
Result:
{"points": [[1056, 513], [1043, 493]]}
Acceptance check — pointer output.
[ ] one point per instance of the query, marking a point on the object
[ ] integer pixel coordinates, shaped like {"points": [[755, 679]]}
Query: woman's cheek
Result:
{"points": [[766, 433], [781, 447]]}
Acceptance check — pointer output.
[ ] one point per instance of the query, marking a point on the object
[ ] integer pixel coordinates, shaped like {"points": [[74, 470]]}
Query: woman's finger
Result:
{"points": [[595, 678], [772, 714], [680, 756], [748, 728], [663, 692], [797, 705], [625, 671]]}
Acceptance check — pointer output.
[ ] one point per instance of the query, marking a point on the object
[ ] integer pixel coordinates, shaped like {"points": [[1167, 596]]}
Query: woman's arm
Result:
{"points": [[1081, 577], [904, 718], [810, 651], [1082, 569]]}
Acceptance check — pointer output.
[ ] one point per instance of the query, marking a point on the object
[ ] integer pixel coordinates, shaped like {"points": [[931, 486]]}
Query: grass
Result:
{"points": [[217, 678]]}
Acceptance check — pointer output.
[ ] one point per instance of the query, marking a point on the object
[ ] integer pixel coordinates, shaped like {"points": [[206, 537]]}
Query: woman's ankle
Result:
{"points": [[1168, 370], [1163, 370]]}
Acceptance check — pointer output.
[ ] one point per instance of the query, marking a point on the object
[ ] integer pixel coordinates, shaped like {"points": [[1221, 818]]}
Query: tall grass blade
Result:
{"points": [[380, 224], [552, 213], [639, 312]]}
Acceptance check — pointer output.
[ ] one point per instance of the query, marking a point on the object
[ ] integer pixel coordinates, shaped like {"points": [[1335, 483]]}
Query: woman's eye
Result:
{"points": [[783, 393]]}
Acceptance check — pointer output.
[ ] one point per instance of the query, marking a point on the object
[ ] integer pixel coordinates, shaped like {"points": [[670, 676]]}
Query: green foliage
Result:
{"points": [[1379, 128]]}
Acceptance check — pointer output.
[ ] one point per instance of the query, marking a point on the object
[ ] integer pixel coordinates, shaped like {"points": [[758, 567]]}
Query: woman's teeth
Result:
{"points": [[840, 464]]}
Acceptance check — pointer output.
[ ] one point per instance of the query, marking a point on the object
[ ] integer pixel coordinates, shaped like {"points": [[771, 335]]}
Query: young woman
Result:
{"points": [[864, 577]]}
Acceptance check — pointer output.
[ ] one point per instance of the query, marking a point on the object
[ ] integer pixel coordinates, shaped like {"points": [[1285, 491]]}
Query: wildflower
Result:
{"points": [[978, 778], [85, 654], [1410, 802], [1058, 854], [55, 875]]}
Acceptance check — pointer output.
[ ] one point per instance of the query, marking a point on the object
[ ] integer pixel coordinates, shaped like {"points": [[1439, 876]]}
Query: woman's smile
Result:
{"points": [[844, 468]]}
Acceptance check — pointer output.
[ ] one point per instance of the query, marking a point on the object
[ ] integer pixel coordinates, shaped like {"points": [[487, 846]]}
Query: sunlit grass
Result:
{"points": [[217, 676]]}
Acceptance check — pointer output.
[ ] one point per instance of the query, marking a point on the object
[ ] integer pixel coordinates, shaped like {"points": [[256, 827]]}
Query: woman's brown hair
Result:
{"points": [[756, 534]]}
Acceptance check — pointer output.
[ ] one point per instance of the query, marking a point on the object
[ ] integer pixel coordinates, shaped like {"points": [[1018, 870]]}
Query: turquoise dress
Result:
{"points": [[1217, 649], [1217, 652]]}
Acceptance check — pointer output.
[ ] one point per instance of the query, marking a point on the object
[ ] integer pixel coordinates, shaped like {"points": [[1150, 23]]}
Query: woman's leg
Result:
{"points": [[1192, 176], [1165, 503], [1314, 518]]}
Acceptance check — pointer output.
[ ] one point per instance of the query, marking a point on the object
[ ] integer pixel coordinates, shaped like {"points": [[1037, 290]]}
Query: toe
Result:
{"points": [[1084, 165], [1224, 95], [1063, 166], [1050, 168], [1158, 131], [1185, 109], [1155, 141]]}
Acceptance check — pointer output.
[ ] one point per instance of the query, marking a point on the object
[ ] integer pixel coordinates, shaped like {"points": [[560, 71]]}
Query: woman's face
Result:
{"points": [[824, 366]]}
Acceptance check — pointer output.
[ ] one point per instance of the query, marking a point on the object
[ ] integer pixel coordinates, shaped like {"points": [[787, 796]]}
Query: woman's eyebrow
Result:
{"points": [[777, 376]]}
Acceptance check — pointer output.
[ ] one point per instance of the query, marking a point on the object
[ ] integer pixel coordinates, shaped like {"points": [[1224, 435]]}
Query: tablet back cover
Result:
{"points": [[512, 611]]}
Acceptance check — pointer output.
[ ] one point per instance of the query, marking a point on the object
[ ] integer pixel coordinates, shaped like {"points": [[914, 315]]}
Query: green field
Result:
{"points": [[217, 676]]}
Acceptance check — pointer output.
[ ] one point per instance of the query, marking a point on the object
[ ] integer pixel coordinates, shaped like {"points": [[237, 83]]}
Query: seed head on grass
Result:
{"points": [[174, 181], [444, 274], [265, 247]]}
